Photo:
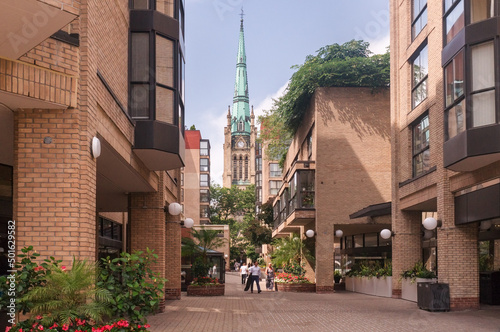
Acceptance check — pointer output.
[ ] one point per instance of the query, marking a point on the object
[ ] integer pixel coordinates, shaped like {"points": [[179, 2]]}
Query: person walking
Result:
{"points": [[255, 275], [270, 277], [244, 273]]}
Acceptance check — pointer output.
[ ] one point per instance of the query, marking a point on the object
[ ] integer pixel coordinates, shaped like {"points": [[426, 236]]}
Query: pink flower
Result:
{"points": [[40, 327], [65, 327], [38, 268], [9, 327], [63, 268]]}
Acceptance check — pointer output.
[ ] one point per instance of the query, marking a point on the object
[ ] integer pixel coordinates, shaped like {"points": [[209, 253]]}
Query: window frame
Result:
{"points": [[423, 80], [421, 151], [456, 101], [447, 12], [417, 19]]}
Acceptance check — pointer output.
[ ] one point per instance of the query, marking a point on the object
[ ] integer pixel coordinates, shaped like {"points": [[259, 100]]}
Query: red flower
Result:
{"points": [[38, 268], [65, 327], [63, 268]]}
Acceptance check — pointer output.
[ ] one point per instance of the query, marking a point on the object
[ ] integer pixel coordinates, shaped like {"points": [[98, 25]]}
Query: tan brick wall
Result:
{"points": [[457, 245]]}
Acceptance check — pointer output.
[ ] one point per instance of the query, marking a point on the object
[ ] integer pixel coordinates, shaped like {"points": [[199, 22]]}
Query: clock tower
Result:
{"points": [[240, 132]]}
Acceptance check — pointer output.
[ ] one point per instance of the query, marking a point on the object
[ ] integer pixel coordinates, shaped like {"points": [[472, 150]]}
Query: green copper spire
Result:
{"points": [[240, 122]]}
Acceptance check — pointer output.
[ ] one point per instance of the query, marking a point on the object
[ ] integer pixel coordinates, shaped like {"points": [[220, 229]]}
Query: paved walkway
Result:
{"points": [[342, 311]]}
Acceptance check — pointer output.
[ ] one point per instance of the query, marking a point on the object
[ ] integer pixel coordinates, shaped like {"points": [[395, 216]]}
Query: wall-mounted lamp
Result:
{"points": [[485, 225], [174, 209], [339, 233], [96, 147], [188, 223], [310, 233], [431, 223], [386, 234]]}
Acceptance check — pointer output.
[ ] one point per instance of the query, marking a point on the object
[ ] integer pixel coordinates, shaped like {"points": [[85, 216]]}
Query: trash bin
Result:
{"points": [[433, 296]]}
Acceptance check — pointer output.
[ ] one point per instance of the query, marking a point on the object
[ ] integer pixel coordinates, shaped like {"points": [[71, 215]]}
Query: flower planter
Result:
{"points": [[409, 288], [208, 290], [370, 285], [296, 288]]}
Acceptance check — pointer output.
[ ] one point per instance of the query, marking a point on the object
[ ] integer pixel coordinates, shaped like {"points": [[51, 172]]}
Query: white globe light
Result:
{"points": [[188, 223], [385, 233], [96, 147], [429, 223], [174, 209], [485, 225], [339, 233], [309, 233]]}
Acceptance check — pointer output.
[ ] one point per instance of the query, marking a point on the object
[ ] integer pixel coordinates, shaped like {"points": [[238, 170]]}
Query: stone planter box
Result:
{"points": [[210, 290], [409, 288], [370, 285], [296, 288]]}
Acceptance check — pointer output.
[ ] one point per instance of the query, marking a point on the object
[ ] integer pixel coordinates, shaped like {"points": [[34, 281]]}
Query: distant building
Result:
{"points": [[240, 133]]}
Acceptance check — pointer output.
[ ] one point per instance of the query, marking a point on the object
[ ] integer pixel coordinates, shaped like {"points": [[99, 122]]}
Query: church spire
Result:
{"points": [[240, 123]]}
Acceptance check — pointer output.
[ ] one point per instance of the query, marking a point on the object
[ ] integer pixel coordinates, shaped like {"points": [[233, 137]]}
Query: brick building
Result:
{"points": [[79, 80], [336, 166], [445, 151]]}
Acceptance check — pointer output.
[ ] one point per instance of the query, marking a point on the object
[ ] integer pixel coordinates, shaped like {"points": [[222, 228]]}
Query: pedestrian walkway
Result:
{"points": [[342, 311]]}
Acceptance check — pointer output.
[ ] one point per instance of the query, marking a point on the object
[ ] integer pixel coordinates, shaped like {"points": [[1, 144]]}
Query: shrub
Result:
{"points": [[136, 290], [370, 269], [418, 271], [204, 281]]}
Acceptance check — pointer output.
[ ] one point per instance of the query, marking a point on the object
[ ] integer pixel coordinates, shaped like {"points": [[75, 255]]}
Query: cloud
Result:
{"points": [[267, 102], [378, 46]]}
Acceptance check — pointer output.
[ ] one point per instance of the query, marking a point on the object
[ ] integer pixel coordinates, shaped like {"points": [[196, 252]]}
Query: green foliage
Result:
{"points": [[258, 234], [371, 268], [337, 276], [29, 276], [295, 268], [200, 269], [193, 127], [274, 134], [418, 271], [290, 250], [250, 253], [67, 295], [202, 240], [136, 290], [266, 214]]}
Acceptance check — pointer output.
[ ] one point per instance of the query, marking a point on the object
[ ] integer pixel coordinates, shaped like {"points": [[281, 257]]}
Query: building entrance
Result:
{"points": [[489, 261]]}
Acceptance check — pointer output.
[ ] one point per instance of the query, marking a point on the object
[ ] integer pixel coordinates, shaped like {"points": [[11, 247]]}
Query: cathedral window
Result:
{"points": [[246, 168], [240, 175], [235, 167]]}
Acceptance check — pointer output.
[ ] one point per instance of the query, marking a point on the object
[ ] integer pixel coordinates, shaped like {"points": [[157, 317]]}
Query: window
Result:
{"points": [[204, 179], [139, 76], [140, 4], [419, 13], [246, 168], [455, 100], [454, 18], [204, 211], [204, 148], [240, 168], [258, 180], [235, 167], [309, 146], [258, 164], [274, 187], [483, 84], [204, 196], [481, 10], [420, 71], [258, 149], [204, 165], [274, 170], [421, 155]]}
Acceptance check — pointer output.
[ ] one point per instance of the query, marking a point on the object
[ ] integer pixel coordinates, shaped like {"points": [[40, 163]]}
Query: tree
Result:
{"points": [[291, 251], [202, 241], [193, 127]]}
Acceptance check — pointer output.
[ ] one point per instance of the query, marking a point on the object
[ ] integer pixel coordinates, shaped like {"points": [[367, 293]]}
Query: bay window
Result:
{"points": [[455, 97], [454, 18], [483, 84], [481, 10]]}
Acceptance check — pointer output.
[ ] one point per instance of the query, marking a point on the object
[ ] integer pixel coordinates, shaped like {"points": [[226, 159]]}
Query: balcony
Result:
{"points": [[472, 149], [27, 23]]}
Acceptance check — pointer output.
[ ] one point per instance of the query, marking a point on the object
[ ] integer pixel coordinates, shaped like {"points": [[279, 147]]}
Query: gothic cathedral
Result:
{"points": [[240, 133]]}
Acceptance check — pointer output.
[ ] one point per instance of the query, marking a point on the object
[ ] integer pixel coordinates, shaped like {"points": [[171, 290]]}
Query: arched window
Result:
{"points": [[240, 173], [235, 167], [246, 168], [241, 126]]}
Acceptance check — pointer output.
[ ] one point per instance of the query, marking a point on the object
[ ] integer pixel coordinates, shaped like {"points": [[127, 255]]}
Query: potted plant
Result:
{"points": [[288, 282], [410, 278], [370, 278]]}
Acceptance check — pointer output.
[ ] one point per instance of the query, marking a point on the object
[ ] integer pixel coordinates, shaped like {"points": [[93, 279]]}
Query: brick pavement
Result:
{"points": [[343, 311]]}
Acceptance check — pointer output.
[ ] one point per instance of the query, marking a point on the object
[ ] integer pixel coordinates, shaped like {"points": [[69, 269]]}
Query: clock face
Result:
{"points": [[241, 144]]}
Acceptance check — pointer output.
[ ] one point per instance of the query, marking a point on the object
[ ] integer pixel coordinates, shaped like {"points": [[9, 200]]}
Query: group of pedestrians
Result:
{"points": [[253, 275]]}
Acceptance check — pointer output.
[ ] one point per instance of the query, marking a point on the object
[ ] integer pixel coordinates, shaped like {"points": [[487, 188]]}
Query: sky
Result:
{"points": [[278, 35]]}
